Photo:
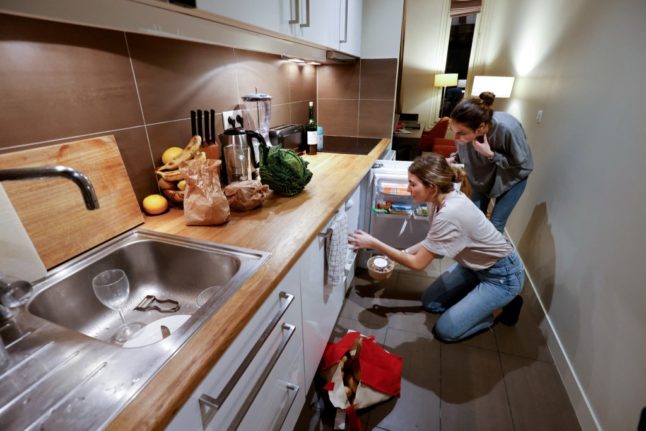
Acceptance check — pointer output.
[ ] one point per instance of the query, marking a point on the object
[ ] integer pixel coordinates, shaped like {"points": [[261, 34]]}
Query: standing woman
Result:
{"points": [[494, 150], [482, 286]]}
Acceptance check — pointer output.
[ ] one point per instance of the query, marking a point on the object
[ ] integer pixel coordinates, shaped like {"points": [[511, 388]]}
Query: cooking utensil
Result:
{"points": [[199, 123], [212, 125], [207, 132], [193, 124]]}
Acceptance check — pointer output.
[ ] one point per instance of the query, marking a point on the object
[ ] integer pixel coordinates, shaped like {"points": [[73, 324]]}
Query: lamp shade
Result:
{"points": [[499, 85], [445, 80]]}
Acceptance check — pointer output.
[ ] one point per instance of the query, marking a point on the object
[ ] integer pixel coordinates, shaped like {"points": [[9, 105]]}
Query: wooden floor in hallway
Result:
{"points": [[503, 379]]}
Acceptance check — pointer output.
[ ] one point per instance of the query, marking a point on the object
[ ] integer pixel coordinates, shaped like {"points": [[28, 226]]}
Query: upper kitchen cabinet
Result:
{"points": [[350, 28]]}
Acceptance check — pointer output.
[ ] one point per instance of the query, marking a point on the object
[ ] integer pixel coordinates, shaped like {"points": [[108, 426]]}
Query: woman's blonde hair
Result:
{"points": [[433, 169]]}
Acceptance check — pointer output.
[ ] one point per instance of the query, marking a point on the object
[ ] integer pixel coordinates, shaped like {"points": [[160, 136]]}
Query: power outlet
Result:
{"points": [[230, 114], [539, 117]]}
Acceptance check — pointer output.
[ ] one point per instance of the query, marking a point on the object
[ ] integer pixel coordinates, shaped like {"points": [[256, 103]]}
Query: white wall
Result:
{"points": [[428, 28], [382, 24], [580, 224]]}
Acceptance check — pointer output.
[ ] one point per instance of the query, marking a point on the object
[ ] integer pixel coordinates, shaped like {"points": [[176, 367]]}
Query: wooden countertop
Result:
{"points": [[284, 227]]}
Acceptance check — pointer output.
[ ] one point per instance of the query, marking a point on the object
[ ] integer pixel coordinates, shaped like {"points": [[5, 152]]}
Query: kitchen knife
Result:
{"points": [[207, 134], [212, 125], [193, 127], [199, 123]]}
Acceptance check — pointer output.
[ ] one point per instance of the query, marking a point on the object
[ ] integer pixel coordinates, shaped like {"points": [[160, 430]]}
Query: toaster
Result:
{"points": [[291, 136]]}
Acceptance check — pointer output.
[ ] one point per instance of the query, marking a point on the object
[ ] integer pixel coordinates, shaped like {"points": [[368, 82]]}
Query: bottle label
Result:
{"points": [[312, 137]]}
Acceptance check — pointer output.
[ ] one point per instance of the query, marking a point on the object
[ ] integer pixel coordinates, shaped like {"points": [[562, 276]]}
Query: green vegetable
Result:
{"points": [[283, 170]]}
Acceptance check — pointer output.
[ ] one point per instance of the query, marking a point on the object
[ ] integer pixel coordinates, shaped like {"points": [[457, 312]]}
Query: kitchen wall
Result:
{"points": [[358, 99], [580, 223], [62, 82]]}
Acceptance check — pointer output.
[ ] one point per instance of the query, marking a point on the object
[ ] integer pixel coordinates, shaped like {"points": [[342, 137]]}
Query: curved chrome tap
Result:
{"points": [[81, 180]]}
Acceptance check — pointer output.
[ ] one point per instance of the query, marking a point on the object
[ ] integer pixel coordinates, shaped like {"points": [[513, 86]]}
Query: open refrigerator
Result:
{"points": [[390, 214]]}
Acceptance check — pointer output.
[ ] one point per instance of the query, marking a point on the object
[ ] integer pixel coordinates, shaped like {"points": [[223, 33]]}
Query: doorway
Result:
{"points": [[457, 59]]}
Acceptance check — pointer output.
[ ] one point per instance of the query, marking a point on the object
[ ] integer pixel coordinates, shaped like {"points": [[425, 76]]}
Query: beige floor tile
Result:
{"points": [[536, 395], [418, 406], [524, 339], [473, 390]]}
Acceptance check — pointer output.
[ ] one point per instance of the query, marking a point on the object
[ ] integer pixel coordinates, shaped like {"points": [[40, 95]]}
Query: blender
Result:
{"points": [[260, 105]]}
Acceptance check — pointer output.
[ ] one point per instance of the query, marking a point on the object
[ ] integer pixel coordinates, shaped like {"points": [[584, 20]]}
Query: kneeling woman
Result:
{"points": [[483, 285]]}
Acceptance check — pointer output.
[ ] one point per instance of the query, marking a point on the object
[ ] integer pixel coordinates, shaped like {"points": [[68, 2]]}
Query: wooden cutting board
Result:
{"points": [[53, 211]]}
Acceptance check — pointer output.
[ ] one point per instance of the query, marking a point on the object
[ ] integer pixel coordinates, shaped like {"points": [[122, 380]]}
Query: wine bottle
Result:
{"points": [[312, 131]]}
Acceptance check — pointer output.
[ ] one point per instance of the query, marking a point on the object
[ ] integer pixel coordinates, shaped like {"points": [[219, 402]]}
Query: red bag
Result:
{"points": [[359, 373]]}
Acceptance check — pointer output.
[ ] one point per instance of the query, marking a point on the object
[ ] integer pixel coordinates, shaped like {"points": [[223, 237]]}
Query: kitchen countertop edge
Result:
{"points": [[156, 404]]}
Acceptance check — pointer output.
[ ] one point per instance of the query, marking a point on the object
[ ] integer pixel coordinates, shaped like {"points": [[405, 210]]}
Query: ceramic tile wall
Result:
{"points": [[358, 99], [62, 82]]}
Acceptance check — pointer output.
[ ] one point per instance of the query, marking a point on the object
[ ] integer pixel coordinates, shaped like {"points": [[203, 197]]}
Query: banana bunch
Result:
{"points": [[171, 181]]}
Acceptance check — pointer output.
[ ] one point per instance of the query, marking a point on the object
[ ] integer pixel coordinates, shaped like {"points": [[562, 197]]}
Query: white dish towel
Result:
{"points": [[338, 249]]}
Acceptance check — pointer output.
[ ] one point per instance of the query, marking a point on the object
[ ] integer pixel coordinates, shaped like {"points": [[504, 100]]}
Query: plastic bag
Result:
{"points": [[359, 373], [204, 202], [246, 195]]}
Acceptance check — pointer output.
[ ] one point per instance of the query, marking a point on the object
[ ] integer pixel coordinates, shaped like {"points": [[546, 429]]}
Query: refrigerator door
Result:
{"points": [[394, 217]]}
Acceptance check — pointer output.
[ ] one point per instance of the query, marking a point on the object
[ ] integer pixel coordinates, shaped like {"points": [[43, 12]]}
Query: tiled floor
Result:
{"points": [[503, 379]]}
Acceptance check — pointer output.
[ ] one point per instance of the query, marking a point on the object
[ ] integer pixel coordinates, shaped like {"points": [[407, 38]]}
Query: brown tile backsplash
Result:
{"points": [[175, 76], [376, 118], [338, 117], [378, 79], [339, 81], [368, 83], [61, 80]]}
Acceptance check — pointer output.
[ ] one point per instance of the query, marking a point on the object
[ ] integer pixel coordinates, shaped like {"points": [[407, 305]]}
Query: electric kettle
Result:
{"points": [[238, 156]]}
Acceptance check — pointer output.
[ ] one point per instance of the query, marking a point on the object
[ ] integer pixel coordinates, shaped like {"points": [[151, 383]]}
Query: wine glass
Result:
{"points": [[112, 288]]}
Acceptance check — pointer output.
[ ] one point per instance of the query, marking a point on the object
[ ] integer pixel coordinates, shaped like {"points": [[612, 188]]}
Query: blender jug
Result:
{"points": [[258, 109]]}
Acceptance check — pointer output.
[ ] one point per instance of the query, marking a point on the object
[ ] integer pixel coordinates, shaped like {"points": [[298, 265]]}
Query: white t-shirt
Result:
{"points": [[459, 230]]}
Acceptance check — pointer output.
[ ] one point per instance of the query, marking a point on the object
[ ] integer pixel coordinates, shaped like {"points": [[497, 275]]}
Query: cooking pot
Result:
{"points": [[238, 155]]}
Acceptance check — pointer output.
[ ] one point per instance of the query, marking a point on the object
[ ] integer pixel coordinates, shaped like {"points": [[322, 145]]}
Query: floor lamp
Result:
{"points": [[445, 80]]}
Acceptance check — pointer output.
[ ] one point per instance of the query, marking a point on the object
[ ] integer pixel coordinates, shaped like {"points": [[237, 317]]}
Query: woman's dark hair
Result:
{"points": [[433, 169], [475, 111]]}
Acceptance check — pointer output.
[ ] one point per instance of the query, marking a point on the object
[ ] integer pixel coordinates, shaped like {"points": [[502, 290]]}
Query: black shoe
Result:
{"points": [[511, 311]]}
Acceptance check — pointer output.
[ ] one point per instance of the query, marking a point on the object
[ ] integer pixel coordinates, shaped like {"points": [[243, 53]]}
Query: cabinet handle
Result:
{"points": [[209, 406], [345, 37], [261, 381], [307, 14], [293, 388], [297, 9]]}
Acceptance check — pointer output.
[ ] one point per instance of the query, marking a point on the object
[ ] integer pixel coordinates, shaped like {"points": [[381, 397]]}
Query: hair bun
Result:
{"points": [[487, 97]]}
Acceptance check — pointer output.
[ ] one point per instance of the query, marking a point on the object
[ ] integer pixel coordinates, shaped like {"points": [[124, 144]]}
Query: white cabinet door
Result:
{"points": [[319, 21], [267, 14], [322, 304], [350, 20]]}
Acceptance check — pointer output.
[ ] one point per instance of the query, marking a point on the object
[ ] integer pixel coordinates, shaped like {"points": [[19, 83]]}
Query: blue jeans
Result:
{"points": [[468, 298], [505, 203]]}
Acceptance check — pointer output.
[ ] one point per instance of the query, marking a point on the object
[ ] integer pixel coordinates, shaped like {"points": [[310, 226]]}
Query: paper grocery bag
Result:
{"points": [[204, 201]]}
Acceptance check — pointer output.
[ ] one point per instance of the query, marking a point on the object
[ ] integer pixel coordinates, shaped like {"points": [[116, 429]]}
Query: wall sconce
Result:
{"points": [[499, 85], [445, 80]]}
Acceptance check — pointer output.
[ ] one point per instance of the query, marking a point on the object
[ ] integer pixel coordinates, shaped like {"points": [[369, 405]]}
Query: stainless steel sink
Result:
{"points": [[168, 268], [63, 362]]}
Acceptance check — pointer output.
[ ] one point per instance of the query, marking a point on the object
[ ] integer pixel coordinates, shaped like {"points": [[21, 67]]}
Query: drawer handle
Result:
{"points": [[307, 14], [297, 13], [345, 37], [261, 381], [293, 388], [209, 406]]}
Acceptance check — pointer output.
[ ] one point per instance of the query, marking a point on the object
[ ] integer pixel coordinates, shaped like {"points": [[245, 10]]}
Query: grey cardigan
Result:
{"points": [[512, 161]]}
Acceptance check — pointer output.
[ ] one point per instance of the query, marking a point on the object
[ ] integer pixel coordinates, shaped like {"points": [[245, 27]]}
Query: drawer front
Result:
{"points": [[282, 393], [229, 384]]}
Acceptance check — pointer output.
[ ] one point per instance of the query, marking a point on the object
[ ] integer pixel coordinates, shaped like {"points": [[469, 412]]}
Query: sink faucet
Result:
{"points": [[82, 181]]}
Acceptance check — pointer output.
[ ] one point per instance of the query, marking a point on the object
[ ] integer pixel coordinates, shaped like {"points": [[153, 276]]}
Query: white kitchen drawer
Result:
{"points": [[239, 389], [282, 392]]}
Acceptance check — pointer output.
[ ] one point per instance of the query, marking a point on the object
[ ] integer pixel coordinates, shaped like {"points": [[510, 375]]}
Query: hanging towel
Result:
{"points": [[338, 249]]}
